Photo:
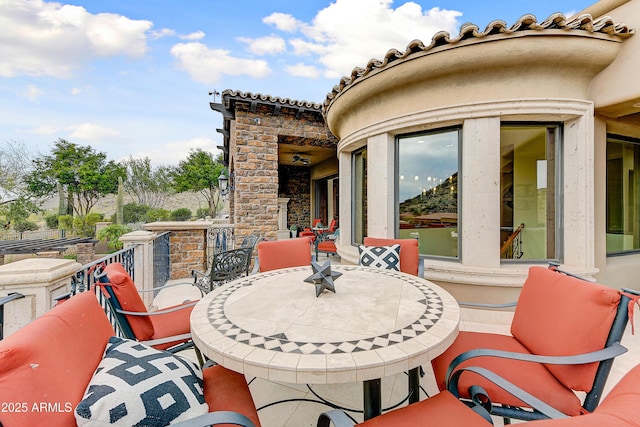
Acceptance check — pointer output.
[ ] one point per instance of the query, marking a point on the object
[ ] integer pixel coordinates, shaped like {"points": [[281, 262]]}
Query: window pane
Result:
{"points": [[359, 195], [623, 164], [428, 191], [527, 192]]}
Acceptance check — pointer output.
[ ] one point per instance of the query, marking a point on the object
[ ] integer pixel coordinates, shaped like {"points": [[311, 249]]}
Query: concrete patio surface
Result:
{"points": [[296, 405]]}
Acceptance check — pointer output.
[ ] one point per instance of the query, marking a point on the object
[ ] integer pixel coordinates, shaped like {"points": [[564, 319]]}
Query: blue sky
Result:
{"points": [[132, 78]]}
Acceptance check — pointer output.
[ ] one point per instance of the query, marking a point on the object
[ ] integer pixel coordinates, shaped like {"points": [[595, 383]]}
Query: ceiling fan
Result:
{"points": [[304, 160]]}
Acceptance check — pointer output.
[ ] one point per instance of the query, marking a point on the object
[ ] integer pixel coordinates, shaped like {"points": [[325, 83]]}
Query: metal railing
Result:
{"points": [[161, 264], [32, 235], [220, 237], [84, 280], [512, 247]]}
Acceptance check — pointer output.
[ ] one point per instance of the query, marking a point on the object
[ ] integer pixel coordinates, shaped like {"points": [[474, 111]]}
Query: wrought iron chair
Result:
{"points": [[410, 261], [276, 254], [225, 266], [4, 300], [168, 329], [619, 408], [565, 334], [325, 243], [249, 242]]}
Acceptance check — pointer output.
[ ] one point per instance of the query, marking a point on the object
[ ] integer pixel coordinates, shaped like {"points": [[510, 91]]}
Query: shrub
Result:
{"points": [[202, 212], [112, 233], [157, 215], [181, 214], [133, 212], [65, 222], [24, 225], [51, 221]]}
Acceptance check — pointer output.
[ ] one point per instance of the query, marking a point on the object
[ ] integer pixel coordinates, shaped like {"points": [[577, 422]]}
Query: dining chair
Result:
{"points": [[410, 261], [618, 409], [275, 254], [225, 267], [166, 329], [564, 336], [326, 243]]}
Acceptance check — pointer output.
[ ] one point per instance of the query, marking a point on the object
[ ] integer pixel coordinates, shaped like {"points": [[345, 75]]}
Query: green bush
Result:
{"points": [[154, 215], [112, 234], [181, 214], [202, 212], [51, 221], [133, 212], [21, 226], [65, 222]]}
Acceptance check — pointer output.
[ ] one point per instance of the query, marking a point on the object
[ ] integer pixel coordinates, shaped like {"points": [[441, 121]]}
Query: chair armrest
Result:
{"points": [[509, 387], [157, 312], [335, 416], [486, 305], [595, 356], [256, 267], [14, 296], [215, 418]]}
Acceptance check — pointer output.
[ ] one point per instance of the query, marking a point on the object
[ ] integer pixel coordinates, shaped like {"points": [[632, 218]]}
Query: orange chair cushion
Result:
{"points": [[559, 315], [619, 407], [533, 377], [276, 254], [409, 252], [50, 361], [226, 390], [442, 410], [170, 324], [327, 246], [129, 298]]}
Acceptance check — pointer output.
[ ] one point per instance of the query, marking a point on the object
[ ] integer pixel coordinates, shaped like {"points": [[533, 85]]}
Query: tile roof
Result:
{"points": [[527, 22], [236, 95]]}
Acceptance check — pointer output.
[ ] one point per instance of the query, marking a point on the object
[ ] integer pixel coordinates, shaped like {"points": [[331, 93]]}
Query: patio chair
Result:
{"points": [[565, 334], [225, 267], [249, 242], [618, 409], [276, 254], [168, 329], [410, 261], [326, 243]]}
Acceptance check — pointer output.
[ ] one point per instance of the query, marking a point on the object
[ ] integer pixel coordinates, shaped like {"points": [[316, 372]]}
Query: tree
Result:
{"points": [[148, 185], [15, 203], [199, 172], [84, 174]]}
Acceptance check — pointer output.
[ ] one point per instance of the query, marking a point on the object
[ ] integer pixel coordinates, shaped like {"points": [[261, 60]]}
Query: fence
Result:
{"points": [[32, 235], [161, 265]]}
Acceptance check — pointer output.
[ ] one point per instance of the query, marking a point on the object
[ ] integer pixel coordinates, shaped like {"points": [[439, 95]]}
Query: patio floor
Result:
{"points": [[295, 405]]}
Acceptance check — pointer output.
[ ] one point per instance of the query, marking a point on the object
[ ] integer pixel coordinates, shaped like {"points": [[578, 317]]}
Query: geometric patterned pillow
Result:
{"points": [[138, 385], [387, 257]]}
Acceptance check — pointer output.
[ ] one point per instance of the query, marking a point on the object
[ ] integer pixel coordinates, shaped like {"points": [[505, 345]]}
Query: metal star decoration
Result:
{"points": [[323, 277]]}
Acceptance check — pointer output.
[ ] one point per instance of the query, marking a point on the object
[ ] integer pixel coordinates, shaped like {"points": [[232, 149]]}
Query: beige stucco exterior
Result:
{"points": [[581, 78]]}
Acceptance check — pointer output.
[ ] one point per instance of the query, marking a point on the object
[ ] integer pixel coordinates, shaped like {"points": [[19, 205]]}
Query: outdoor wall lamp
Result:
{"points": [[223, 184]]}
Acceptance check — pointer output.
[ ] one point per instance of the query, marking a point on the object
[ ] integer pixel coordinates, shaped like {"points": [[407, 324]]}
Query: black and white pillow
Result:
{"points": [[387, 257], [136, 385]]}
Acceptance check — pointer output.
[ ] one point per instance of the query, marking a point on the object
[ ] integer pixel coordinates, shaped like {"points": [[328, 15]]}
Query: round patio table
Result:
{"points": [[378, 323]]}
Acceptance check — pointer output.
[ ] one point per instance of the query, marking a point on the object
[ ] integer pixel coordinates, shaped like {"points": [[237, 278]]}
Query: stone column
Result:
{"points": [[85, 252], [40, 280], [283, 230], [143, 260]]}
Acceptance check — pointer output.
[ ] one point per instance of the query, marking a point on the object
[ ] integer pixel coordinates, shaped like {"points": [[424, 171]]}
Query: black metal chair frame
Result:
{"points": [[249, 242], [225, 266], [12, 296], [120, 316]]}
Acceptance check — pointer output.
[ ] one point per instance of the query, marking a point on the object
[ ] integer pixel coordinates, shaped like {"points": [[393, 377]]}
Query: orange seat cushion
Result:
{"points": [[170, 324], [276, 254], [560, 315], [441, 410], [226, 390], [619, 408], [409, 252], [50, 361], [129, 298], [327, 246], [533, 377]]}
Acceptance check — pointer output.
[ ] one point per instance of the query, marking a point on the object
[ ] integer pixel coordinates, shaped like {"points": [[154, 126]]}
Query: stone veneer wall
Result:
{"points": [[295, 184], [187, 252], [253, 148]]}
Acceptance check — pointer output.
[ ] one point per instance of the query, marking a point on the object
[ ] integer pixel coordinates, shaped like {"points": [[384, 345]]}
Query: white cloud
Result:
{"points": [[348, 33], [164, 32], [92, 132], [269, 45], [209, 65], [198, 35], [32, 92], [172, 153], [75, 91], [302, 70], [46, 130], [283, 22], [40, 38]]}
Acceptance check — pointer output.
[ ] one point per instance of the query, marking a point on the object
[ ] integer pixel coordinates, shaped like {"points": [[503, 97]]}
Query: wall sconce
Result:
{"points": [[223, 184], [256, 120]]}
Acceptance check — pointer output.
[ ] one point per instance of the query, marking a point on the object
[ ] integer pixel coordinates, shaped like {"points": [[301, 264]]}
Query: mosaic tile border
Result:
{"points": [[433, 309]]}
